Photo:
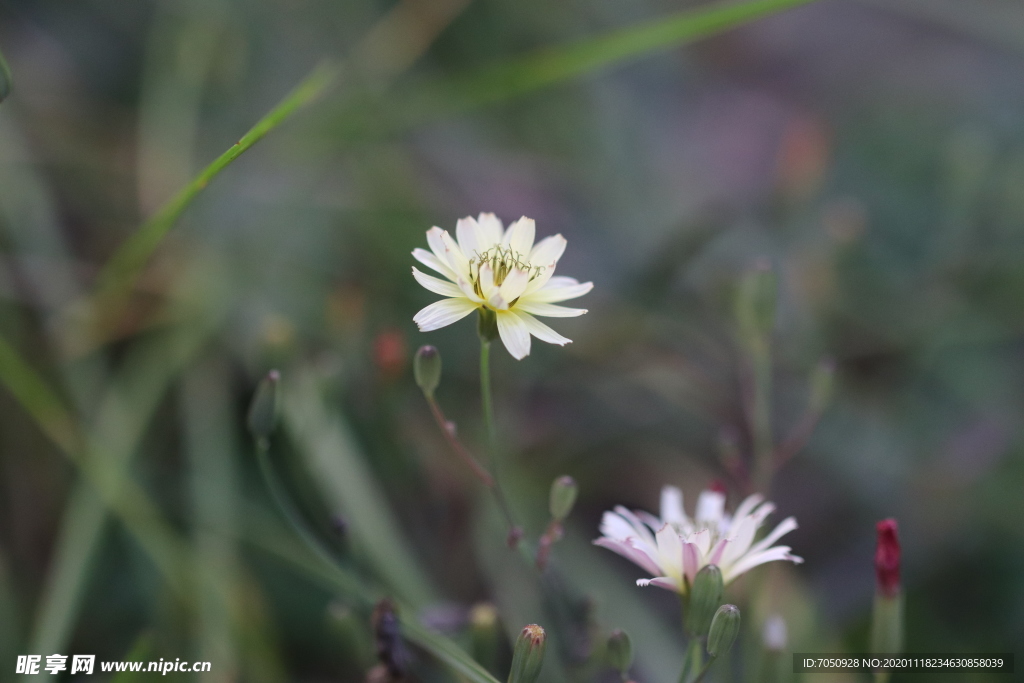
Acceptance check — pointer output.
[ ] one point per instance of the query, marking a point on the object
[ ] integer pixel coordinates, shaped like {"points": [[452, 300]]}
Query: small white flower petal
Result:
{"points": [[487, 287], [442, 313], [519, 236], [783, 528], [514, 334], [491, 230], [468, 291], [455, 256], [691, 560], [514, 284], [748, 505], [672, 505], [630, 553], [542, 331], [434, 263], [674, 585], [552, 293], [436, 243], [670, 550], [548, 310], [548, 250], [436, 285], [469, 236], [752, 560], [710, 508]]}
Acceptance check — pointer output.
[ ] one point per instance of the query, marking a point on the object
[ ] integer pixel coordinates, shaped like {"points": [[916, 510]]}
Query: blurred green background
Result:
{"points": [[872, 153]]}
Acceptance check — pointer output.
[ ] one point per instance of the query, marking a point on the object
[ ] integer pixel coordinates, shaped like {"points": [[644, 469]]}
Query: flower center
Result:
{"points": [[502, 260]]}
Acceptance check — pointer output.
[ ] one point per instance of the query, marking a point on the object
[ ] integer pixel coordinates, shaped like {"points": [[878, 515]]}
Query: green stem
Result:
{"points": [[485, 396], [704, 671]]}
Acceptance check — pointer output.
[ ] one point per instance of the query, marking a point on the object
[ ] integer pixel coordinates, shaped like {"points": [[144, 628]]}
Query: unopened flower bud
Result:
{"points": [[887, 558], [426, 368], [705, 597], [887, 616], [563, 497], [262, 418], [528, 655], [724, 629], [620, 652], [484, 633]]}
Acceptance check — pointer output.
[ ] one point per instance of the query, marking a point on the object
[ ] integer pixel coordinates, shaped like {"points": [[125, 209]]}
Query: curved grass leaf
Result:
{"points": [[5, 78]]}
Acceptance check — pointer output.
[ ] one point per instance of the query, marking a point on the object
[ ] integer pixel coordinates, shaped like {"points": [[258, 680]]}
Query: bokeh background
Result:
{"points": [[871, 154]]}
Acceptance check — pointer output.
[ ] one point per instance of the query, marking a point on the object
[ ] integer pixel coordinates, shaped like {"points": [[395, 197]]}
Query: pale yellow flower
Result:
{"points": [[498, 270]]}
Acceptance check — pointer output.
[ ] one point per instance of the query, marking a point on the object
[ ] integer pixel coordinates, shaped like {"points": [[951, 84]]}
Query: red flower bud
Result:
{"points": [[887, 558]]}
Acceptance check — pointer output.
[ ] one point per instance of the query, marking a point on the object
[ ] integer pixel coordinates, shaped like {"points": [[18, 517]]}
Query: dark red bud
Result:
{"points": [[887, 558], [717, 486]]}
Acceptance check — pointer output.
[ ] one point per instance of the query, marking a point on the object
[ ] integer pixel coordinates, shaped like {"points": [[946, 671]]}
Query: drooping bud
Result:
{"points": [[487, 325], [887, 558], [5, 79], [426, 368], [528, 655], [620, 652], [887, 616], [705, 597], [563, 497], [262, 418], [724, 629]]}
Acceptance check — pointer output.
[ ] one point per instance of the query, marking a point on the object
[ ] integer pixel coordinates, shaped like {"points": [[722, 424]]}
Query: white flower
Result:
{"points": [[502, 271], [675, 547]]}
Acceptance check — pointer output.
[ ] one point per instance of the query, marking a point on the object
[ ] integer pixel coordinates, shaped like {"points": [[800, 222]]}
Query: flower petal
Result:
{"points": [[542, 331], [691, 560], [455, 257], [630, 553], [780, 552], [490, 230], [548, 250], [783, 528], [468, 233], [435, 284], [434, 263], [487, 287], [442, 313], [548, 310], [665, 582], [514, 334], [560, 288], [670, 551], [748, 505], [519, 236], [672, 505], [514, 284], [436, 243], [710, 508]]}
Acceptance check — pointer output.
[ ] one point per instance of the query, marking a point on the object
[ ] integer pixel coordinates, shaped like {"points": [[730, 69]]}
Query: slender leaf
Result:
{"points": [[6, 82], [334, 458]]}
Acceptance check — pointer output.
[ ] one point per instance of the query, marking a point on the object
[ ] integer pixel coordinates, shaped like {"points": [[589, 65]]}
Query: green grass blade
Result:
{"points": [[338, 467], [269, 536], [6, 82], [120, 272]]}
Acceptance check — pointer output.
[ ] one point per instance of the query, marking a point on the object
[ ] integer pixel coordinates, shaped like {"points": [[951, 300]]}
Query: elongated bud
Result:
{"points": [[705, 597], [620, 652], [487, 325], [724, 629], [887, 558], [5, 79], [755, 304], [563, 497], [426, 368], [887, 616], [822, 381], [262, 417], [528, 655]]}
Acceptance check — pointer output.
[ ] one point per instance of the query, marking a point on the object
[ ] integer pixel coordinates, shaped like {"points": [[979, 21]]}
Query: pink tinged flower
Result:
{"points": [[674, 546], [887, 558], [488, 267]]}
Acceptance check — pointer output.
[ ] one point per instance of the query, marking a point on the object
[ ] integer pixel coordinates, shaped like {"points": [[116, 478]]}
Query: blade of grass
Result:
{"points": [[6, 82], [268, 535], [334, 459], [438, 98], [205, 401], [120, 272]]}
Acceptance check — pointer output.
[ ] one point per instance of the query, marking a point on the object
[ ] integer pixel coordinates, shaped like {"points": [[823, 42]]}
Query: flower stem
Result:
{"points": [[485, 395], [447, 429], [514, 531]]}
